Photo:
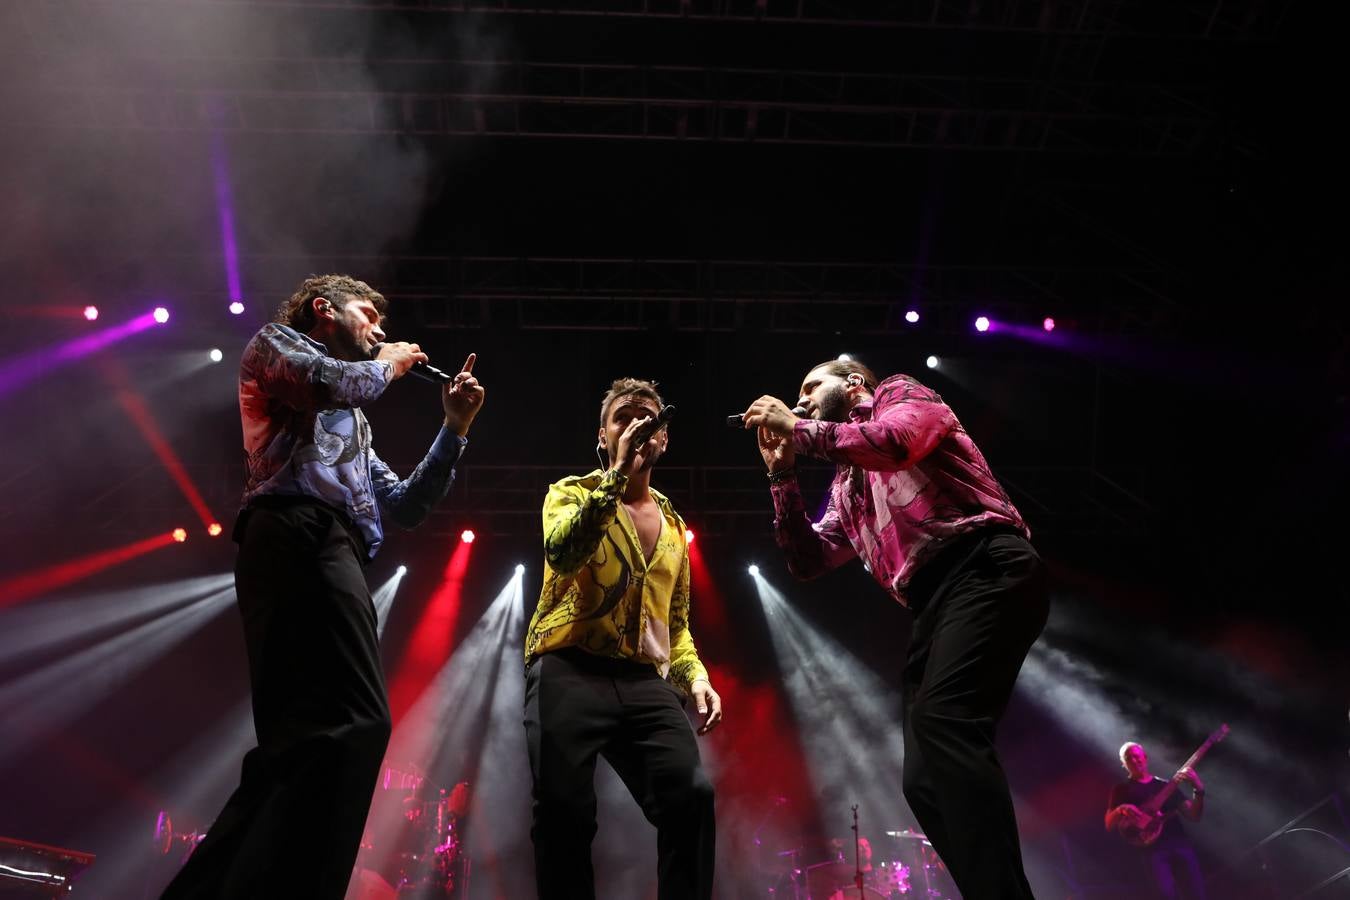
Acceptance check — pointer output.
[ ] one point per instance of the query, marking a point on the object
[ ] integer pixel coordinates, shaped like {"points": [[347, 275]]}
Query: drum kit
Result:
{"points": [[413, 846], [413, 849], [175, 843], [903, 866]]}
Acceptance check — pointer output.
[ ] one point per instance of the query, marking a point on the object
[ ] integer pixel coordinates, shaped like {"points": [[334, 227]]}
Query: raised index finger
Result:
{"points": [[468, 363]]}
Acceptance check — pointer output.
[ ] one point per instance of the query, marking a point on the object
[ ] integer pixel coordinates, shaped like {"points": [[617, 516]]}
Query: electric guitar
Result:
{"points": [[1145, 836]]}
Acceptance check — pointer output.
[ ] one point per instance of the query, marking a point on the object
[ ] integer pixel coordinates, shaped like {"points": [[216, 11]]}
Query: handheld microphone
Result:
{"points": [[736, 421], [644, 434], [421, 370]]}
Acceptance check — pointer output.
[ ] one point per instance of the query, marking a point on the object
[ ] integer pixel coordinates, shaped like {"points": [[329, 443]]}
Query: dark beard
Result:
{"points": [[650, 462], [834, 406], [342, 345]]}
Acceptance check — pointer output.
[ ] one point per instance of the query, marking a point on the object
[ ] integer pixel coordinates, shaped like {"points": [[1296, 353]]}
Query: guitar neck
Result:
{"points": [[1200, 753], [1158, 799], [1161, 797]]}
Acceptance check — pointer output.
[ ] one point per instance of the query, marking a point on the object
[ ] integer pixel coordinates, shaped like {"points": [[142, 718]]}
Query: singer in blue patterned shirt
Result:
{"points": [[311, 519]]}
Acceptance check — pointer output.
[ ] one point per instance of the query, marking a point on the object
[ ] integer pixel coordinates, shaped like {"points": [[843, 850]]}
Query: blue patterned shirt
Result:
{"points": [[305, 435]]}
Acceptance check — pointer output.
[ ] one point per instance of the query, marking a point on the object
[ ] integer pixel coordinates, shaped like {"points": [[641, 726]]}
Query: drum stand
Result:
{"points": [[857, 856]]}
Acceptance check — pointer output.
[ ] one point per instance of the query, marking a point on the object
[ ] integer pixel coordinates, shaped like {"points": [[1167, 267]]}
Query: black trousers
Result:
{"points": [[578, 706], [293, 826], [1163, 862], [978, 611]]}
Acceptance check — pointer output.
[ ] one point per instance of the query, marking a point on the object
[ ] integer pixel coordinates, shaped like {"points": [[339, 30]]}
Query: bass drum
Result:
{"points": [[367, 884]]}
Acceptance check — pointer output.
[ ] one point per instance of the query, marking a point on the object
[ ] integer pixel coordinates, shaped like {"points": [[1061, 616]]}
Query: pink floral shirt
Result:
{"points": [[910, 480]]}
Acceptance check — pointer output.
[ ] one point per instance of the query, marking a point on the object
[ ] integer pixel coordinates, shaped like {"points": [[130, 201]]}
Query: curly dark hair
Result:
{"points": [[628, 387], [298, 311]]}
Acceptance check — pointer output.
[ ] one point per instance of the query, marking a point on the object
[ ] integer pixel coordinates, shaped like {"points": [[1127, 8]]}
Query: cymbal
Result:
{"points": [[163, 832], [908, 835], [834, 873]]}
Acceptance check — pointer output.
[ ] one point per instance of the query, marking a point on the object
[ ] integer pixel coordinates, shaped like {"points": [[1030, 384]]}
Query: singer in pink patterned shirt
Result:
{"points": [[915, 499]]}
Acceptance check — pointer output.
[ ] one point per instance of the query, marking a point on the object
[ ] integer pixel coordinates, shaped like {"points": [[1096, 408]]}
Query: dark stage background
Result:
{"points": [[716, 194]]}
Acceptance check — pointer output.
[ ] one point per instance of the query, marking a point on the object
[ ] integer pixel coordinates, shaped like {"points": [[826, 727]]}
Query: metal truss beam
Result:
{"points": [[845, 122], [1193, 19], [699, 295]]}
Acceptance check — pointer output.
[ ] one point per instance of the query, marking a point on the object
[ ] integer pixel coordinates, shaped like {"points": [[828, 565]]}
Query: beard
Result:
{"points": [[649, 461], [343, 344], [834, 406]]}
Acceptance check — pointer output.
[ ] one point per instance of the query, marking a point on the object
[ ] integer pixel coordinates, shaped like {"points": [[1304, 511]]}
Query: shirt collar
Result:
{"points": [[862, 412], [322, 348]]}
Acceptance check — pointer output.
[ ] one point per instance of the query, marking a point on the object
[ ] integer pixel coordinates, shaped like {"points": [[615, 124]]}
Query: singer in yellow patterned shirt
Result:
{"points": [[610, 663]]}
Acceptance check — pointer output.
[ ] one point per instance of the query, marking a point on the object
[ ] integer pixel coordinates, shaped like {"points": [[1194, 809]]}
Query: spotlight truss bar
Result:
{"points": [[703, 295], [630, 107], [1194, 19]]}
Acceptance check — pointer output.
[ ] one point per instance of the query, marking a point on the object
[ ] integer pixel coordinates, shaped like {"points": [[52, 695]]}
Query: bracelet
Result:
{"points": [[782, 475]]}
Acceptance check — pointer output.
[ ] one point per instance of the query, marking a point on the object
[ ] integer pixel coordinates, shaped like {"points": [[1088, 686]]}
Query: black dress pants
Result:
{"points": [[978, 611], [293, 826], [578, 706], [1163, 862]]}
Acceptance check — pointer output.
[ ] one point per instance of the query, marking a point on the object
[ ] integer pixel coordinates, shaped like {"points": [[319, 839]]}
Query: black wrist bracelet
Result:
{"points": [[775, 477]]}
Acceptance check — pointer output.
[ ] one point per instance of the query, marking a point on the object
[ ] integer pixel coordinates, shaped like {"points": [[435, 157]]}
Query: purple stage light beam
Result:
{"points": [[17, 371], [220, 174], [1039, 334]]}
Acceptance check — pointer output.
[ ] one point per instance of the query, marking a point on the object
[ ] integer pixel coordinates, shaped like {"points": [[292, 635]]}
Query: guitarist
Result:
{"points": [[1126, 807]]}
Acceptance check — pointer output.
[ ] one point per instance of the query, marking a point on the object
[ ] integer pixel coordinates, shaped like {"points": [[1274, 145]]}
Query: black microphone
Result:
{"points": [[737, 422], [644, 433], [421, 370]]}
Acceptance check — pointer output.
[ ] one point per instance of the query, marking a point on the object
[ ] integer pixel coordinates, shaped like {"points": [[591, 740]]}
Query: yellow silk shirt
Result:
{"points": [[600, 594]]}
